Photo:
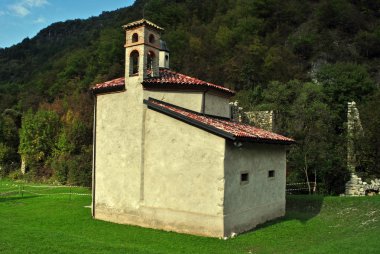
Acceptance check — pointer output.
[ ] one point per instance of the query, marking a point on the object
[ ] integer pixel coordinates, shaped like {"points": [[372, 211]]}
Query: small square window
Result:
{"points": [[271, 173], [244, 177]]}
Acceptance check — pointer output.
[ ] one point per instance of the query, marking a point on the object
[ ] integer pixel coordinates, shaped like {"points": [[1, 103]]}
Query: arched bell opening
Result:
{"points": [[151, 60], [134, 63], [135, 37]]}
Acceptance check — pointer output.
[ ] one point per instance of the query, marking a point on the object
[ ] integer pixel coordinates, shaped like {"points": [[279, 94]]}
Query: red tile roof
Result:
{"points": [[220, 126], [169, 78], [142, 22], [109, 86]]}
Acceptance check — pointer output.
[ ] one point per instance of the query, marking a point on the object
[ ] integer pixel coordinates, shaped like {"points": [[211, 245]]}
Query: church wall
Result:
{"points": [[261, 198], [116, 177], [217, 105], [183, 177], [185, 99]]}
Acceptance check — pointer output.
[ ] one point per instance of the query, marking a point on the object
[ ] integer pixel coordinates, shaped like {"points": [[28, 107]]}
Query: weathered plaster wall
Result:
{"points": [[182, 182], [189, 100], [115, 177], [183, 175], [217, 105], [262, 198], [164, 59]]}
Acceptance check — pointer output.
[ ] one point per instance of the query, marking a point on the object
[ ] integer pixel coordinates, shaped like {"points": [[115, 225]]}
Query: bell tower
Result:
{"points": [[142, 49]]}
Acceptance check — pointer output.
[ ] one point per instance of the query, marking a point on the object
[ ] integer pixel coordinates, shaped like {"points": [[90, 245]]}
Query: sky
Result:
{"points": [[25, 18]]}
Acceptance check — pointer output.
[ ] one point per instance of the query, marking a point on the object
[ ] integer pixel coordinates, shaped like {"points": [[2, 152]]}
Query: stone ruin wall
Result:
{"points": [[261, 119], [354, 128], [356, 186]]}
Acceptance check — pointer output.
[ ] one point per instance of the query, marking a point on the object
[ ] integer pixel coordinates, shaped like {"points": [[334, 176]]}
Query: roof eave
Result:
{"points": [[143, 22], [111, 89], [265, 141]]}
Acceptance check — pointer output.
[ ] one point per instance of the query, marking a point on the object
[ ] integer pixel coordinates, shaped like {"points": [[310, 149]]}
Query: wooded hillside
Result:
{"points": [[304, 59]]}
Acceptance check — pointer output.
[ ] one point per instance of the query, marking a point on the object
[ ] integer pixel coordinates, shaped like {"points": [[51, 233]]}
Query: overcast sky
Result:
{"points": [[24, 18]]}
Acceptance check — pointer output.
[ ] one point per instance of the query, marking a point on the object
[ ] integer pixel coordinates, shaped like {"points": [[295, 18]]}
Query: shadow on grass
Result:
{"points": [[303, 207], [298, 207], [13, 198]]}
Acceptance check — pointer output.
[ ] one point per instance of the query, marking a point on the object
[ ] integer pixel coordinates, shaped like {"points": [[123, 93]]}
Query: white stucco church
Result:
{"points": [[167, 154]]}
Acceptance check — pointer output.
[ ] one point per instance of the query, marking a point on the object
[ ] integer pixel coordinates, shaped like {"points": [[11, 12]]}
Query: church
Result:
{"points": [[168, 155]]}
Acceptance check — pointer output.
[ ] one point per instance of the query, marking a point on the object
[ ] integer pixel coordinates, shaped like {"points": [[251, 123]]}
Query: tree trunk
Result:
{"points": [[306, 174], [23, 165]]}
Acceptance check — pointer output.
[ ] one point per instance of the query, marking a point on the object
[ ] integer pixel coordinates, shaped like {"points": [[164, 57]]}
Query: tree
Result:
{"points": [[38, 135], [342, 83], [316, 153], [302, 112], [9, 140], [368, 144]]}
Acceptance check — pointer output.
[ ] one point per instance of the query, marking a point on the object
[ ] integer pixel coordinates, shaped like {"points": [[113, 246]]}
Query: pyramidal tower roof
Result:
{"points": [[142, 22]]}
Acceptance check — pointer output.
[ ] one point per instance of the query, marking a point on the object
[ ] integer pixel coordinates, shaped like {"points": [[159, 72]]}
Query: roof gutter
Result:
{"points": [[108, 90]]}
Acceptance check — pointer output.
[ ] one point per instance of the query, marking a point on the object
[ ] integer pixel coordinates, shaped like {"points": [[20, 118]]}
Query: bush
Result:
{"points": [[80, 168], [5, 153], [16, 175], [60, 167]]}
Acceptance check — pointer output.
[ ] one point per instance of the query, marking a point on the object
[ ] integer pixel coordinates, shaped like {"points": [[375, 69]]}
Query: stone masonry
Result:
{"points": [[236, 112], [260, 119], [356, 187], [354, 128]]}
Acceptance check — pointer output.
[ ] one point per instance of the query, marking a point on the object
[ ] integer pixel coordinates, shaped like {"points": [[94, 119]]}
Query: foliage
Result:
{"points": [[368, 144], [4, 153], [344, 82], [303, 112], [9, 139], [38, 133]]}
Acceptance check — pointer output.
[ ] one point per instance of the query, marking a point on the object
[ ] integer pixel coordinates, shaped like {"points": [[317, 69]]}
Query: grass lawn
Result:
{"points": [[62, 224]]}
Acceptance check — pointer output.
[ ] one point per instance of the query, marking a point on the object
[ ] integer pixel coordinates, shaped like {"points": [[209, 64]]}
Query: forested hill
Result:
{"points": [[306, 59]]}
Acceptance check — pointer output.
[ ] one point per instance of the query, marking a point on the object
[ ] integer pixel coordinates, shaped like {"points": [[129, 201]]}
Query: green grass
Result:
{"points": [[62, 224]]}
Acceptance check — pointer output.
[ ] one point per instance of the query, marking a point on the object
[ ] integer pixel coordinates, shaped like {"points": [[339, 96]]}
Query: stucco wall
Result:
{"points": [[164, 59], [217, 105], [189, 100], [183, 175], [262, 198], [112, 153]]}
